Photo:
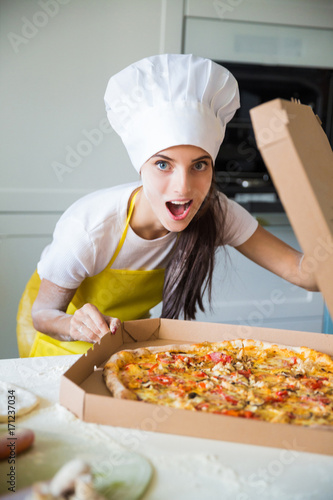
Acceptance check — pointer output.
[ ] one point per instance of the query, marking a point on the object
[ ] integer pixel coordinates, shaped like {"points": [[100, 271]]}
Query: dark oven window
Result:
{"points": [[240, 171]]}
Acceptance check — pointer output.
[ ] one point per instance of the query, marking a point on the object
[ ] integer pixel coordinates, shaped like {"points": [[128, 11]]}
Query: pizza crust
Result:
{"points": [[115, 386]]}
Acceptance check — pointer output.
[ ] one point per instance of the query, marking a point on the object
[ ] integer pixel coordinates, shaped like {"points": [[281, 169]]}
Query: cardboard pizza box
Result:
{"points": [[299, 159], [82, 389]]}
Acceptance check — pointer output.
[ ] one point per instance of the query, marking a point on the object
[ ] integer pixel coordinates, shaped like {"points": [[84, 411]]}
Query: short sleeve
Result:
{"points": [[239, 224], [70, 258]]}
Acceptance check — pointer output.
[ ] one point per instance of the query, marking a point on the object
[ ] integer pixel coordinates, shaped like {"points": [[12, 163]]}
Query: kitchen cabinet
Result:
{"points": [[316, 14], [259, 43]]}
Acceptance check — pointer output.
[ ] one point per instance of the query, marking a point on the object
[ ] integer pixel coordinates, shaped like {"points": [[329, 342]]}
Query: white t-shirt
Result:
{"points": [[87, 234]]}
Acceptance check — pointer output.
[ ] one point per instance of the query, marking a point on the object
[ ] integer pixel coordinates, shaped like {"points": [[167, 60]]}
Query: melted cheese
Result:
{"points": [[275, 384]]}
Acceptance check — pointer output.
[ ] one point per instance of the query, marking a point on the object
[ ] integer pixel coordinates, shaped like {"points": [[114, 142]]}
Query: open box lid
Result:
{"points": [[299, 159]]}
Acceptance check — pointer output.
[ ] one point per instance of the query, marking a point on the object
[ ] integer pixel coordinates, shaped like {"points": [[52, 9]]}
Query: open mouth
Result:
{"points": [[179, 209]]}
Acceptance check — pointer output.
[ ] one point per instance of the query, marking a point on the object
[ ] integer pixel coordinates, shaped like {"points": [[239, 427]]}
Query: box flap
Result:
{"points": [[299, 158], [140, 330]]}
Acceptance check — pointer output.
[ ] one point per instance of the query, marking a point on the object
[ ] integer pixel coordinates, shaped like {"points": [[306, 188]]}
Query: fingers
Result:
{"points": [[90, 325], [114, 324]]}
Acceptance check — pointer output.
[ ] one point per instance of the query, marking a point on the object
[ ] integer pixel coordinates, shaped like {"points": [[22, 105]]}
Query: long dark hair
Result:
{"points": [[189, 273]]}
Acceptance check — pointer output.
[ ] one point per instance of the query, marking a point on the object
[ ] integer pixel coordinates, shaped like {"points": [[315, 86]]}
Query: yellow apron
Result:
{"points": [[121, 293]]}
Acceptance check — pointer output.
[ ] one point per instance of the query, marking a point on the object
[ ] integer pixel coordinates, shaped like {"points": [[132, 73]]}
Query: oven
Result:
{"points": [[240, 171]]}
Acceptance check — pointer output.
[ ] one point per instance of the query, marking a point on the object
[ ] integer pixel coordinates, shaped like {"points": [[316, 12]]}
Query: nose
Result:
{"points": [[182, 182]]}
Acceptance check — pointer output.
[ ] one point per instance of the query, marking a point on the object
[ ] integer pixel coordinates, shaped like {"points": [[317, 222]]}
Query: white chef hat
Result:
{"points": [[169, 100]]}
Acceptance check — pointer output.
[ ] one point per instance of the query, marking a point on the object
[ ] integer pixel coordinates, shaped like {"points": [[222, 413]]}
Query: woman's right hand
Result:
{"points": [[50, 317], [90, 325]]}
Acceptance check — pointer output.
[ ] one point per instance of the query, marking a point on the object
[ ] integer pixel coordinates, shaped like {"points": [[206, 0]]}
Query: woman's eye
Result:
{"points": [[200, 166], [162, 165]]}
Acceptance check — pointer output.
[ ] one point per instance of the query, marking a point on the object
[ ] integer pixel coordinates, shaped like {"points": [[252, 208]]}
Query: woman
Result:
{"points": [[118, 252]]}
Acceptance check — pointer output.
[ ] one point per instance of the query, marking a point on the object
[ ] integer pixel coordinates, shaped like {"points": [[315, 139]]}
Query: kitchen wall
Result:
{"points": [[57, 56]]}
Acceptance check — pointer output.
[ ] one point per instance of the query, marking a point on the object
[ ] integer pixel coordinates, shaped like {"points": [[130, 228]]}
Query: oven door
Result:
{"points": [[240, 171]]}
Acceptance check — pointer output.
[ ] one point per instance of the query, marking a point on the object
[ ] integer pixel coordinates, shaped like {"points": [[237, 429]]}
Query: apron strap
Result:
{"points": [[123, 236]]}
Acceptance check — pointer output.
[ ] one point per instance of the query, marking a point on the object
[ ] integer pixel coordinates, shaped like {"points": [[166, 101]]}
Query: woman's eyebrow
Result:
{"points": [[162, 156], [205, 157]]}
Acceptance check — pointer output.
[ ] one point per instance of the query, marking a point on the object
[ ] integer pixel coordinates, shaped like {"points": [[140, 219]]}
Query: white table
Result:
{"points": [[184, 468]]}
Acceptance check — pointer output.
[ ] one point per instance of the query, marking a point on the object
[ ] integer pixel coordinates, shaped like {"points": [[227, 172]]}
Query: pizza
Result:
{"points": [[241, 378]]}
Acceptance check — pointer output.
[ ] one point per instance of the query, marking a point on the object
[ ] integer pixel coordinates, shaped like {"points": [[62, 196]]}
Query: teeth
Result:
{"points": [[179, 202]]}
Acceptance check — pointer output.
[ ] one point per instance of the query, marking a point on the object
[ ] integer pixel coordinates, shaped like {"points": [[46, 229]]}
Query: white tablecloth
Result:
{"points": [[184, 468]]}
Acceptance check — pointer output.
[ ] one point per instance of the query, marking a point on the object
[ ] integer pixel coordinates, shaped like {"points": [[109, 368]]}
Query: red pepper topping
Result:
{"points": [[245, 373], [315, 384], [181, 357], [247, 414], [227, 397], [162, 379], [237, 413], [201, 406], [153, 368], [231, 413], [279, 398], [282, 395]]}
